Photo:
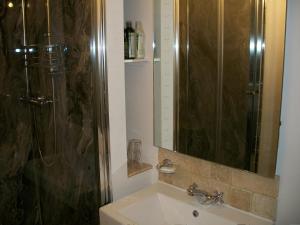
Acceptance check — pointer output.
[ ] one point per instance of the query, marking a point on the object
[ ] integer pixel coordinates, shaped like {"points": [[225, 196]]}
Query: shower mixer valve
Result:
{"points": [[39, 101]]}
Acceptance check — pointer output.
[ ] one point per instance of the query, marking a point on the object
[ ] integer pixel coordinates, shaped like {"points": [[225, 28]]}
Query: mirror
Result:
{"points": [[218, 71]]}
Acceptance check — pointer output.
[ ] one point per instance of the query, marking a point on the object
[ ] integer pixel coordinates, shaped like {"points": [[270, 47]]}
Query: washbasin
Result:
{"points": [[163, 204], [162, 210]]}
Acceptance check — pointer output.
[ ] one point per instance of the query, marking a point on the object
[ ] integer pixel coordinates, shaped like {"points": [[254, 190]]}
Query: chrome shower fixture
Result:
{"points": [[24, 50], [38, 101], [49, 57]]}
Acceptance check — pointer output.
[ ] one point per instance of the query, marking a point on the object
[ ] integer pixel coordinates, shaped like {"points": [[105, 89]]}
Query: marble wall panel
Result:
{"points": [[236, 78], [198, 78], [203, 87], [47, 178]]}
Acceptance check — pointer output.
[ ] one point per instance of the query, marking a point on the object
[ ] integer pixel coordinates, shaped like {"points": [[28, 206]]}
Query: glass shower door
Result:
{"points": [[49, 141]]}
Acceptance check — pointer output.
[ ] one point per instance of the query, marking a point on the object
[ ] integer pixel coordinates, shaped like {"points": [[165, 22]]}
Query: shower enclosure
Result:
{"points": [[54, 147]]}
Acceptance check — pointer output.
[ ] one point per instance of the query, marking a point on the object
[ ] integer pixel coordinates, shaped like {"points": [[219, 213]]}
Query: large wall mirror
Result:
{"points": [[218, 71]]}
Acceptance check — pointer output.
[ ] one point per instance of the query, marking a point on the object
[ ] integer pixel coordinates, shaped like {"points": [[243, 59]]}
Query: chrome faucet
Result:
{"points": [[204, 197]]}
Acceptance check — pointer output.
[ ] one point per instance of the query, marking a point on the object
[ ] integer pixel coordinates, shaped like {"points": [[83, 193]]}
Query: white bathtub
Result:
{"points": [[163, 204]]}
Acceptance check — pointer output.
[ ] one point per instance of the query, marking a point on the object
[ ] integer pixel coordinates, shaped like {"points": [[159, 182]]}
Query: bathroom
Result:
{"points": [[70, 107]]}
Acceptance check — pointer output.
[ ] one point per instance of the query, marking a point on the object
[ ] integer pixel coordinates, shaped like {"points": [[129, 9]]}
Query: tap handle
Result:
{"points": [[191, 189], [219, 197], [193, 186]]}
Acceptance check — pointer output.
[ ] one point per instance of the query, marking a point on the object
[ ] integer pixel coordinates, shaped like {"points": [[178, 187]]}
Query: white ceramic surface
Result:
{"points": [[163, 204]]}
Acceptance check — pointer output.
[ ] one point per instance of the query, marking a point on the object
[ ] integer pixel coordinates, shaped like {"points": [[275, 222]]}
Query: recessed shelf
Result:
{"points": [[137, 168], [136, 60]]}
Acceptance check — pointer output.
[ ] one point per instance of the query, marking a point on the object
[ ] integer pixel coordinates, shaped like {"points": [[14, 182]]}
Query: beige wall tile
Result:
{"points": [[179, 179], [199, 167], [202, 182], [220, 187], [163, 154], [255, 183], [264, 206], [191, 164], [182, 181], [240, 199], [243, 190], [221, 173], [167, 178]]}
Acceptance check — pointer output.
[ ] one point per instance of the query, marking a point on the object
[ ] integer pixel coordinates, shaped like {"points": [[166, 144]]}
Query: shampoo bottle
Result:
{"points": [[130, 42], [140, 39]]}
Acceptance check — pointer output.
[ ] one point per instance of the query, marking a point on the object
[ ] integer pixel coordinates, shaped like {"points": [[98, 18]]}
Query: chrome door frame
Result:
{"points": [[176, 65], [100, 98], [255, 86]]}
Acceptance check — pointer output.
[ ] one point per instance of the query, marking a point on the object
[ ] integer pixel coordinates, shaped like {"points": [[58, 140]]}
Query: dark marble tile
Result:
{"points": [[198, 79], [47, 177], [236, 77], [199, 91]]}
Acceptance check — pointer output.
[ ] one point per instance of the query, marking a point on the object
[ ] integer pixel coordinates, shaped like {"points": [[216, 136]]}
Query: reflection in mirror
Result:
{"points": [[218, 80]]}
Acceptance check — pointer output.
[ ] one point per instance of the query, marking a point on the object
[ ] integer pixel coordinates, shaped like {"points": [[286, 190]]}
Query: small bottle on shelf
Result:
{"points": [[130, 41], [140, 35]]}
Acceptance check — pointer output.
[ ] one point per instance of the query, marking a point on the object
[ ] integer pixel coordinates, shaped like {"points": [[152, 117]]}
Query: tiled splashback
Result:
{"points": [[243, 190]]}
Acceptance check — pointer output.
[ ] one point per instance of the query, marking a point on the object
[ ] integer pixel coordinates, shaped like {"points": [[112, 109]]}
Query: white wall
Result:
{"points": [[122, 185], [139, 86], [288, 166], [289, 147]]}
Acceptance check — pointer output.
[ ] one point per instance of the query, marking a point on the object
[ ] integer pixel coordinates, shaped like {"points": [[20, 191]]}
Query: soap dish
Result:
{"points": [[166, 166], [167, 169]]}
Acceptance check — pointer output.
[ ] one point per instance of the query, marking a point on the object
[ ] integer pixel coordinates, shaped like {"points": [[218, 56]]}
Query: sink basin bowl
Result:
{"points": [[163, 204], [163, 210]]}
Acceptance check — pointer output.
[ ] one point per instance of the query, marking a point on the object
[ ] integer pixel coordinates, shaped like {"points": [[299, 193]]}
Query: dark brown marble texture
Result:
{"points": [[236, 77], [200, 93], [63, 188], [198, 78]]}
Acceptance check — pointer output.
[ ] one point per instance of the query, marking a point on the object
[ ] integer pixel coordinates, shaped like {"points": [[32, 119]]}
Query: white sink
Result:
{"points": [[162, 204]]}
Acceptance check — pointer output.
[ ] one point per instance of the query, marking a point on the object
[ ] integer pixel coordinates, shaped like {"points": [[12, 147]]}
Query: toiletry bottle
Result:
{"points": [[140, 51], [126, 43], [130, 39]]}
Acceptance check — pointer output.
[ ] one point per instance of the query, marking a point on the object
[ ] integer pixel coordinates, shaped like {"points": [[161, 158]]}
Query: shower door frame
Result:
{"points": [[100, 99]]}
